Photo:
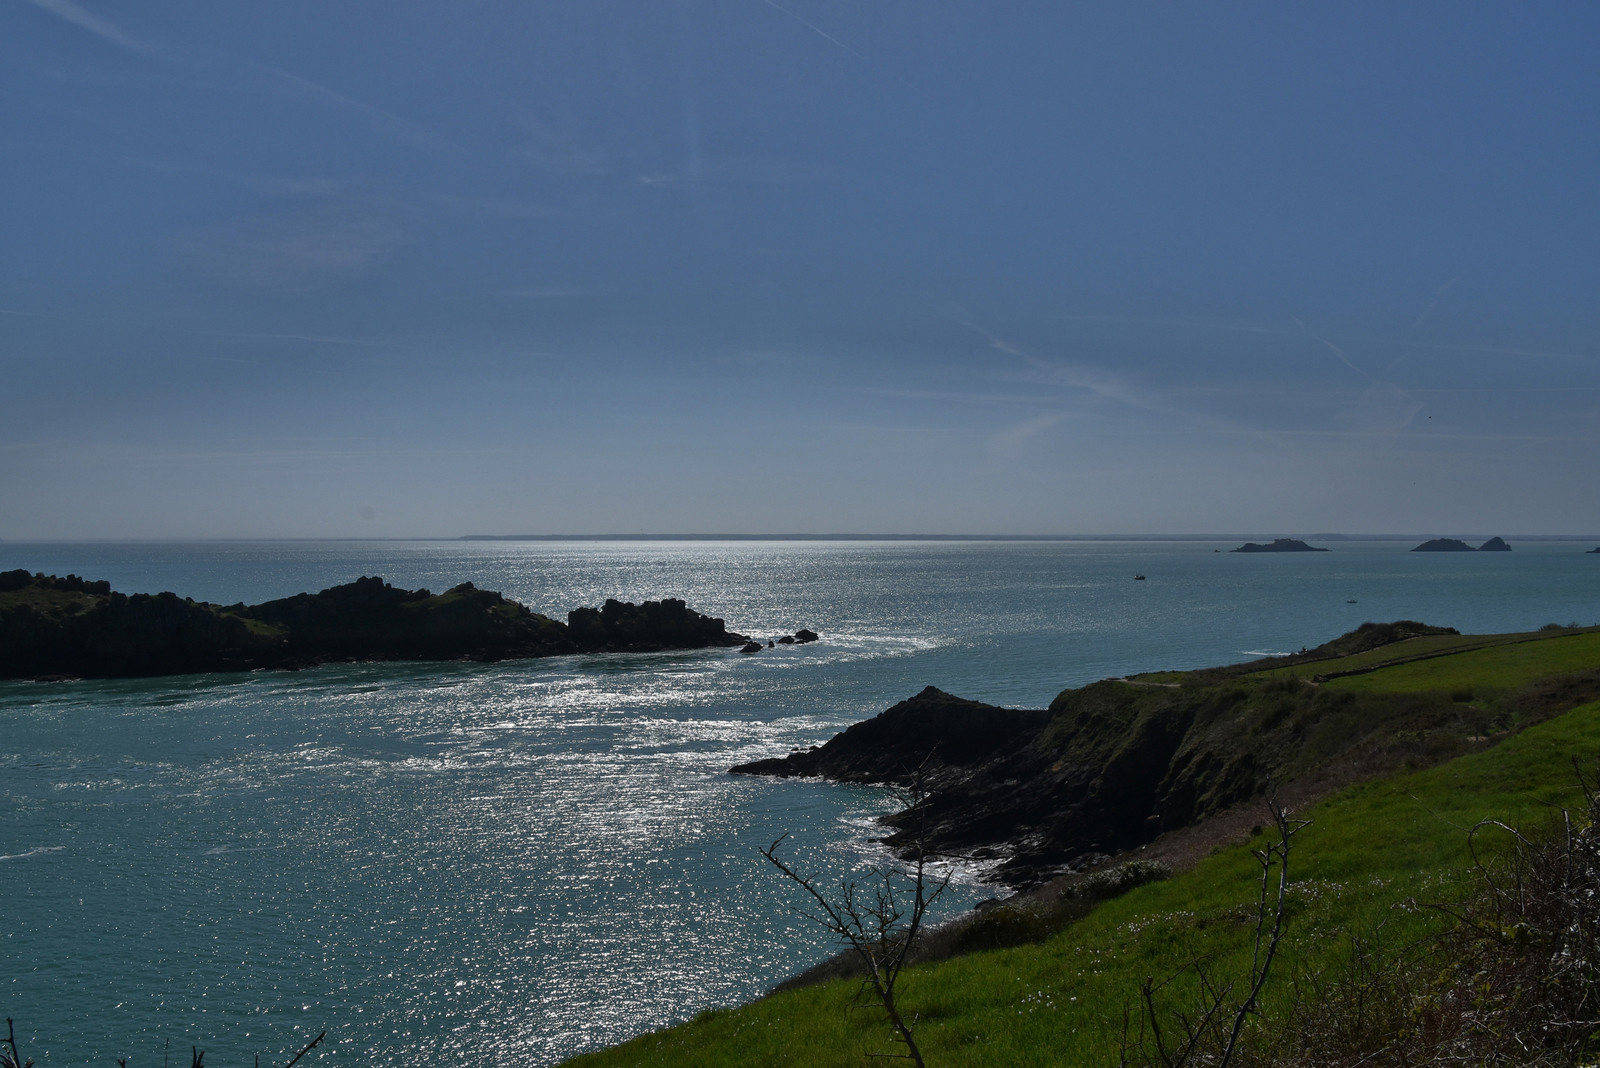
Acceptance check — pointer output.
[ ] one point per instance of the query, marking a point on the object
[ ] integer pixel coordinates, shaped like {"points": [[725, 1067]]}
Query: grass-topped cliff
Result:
{"points": [[1395, 741], [1111, 766], [64, 627]]}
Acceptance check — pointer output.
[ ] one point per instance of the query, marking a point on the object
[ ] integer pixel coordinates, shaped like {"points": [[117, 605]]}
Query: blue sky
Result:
{"points": [[399, 269]]}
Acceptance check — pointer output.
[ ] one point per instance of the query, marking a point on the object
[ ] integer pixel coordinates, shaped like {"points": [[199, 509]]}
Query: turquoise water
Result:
{"points": [[511, 863]]}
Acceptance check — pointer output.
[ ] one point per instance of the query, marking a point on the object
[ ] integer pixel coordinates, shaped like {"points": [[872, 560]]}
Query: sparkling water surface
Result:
{"points": [[512, 863]]}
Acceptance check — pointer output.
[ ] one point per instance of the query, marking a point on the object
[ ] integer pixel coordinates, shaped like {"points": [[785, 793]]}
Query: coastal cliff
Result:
{"points": [[73, 627], [1111, 766]]}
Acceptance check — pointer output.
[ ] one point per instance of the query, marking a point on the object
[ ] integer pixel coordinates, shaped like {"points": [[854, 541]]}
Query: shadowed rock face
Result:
{"points": [[71, 627], [619, 626], [368, 619], [949, 732]]}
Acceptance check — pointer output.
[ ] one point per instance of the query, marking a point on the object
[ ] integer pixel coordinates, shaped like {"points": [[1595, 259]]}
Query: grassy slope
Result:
{"points": [[1369, 849]]}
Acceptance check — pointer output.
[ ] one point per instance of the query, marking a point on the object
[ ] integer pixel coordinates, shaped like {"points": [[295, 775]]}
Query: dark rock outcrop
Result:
{"points": [[65, 627], [949, 731], [53, 626], [1494, 545], [802, 636], [619, 626], [1444, 545], [1278, 545], [368, 619]]}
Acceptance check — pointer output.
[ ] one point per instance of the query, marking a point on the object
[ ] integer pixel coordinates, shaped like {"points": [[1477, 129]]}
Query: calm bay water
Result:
{"points": [[512, 863]]}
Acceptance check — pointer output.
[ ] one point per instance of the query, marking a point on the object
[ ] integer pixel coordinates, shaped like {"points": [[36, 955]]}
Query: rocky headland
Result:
{"points": [[72, 627], [1278, 545], [1115, 765]]}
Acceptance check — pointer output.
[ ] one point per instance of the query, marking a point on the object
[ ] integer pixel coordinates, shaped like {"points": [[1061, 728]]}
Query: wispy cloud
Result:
{"points": [[1016, 438], [553, 150], [1023, 399], [313, 244], [1495, 350], [739, 170], [1179, 324], [81, 17], [283, 83], [309, 338], [550, 292], [496, 207], [1383, 410], [293, 86]]}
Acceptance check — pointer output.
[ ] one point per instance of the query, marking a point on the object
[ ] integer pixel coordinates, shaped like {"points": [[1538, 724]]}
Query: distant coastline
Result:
{"points": [[957, 537]]}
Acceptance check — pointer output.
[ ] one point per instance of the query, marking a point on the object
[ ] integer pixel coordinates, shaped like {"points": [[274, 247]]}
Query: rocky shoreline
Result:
{"points": [[53, 627]]}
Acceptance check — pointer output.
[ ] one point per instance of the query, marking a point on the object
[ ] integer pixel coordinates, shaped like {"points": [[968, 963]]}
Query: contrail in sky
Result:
{"points": [[1336, 350], [1438, 298], [73, 13], [808, 25]]}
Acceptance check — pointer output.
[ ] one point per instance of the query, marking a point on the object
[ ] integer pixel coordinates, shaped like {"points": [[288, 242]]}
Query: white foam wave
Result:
{"points": [[32, 852]]}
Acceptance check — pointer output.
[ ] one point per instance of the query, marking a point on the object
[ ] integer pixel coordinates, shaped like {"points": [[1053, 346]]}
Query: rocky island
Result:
{"points": [[1456, 545], [1278, 545], [1444, 545], [53, 627]]}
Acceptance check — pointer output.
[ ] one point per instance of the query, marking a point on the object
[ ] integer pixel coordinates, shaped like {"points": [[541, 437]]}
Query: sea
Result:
{"points": [[512, 863]]}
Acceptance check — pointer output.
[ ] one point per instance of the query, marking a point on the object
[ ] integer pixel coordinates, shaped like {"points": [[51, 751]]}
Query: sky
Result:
{"points": [[337, 268]]}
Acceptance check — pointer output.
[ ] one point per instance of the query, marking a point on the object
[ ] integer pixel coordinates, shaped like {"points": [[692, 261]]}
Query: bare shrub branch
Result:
{"points": [[880, 917], [1211, 1032]]}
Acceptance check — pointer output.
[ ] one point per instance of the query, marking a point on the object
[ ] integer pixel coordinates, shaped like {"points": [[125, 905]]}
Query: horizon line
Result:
{"points": [[835, 536]]}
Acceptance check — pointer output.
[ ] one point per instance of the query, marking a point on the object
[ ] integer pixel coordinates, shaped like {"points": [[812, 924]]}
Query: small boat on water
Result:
{"points": [[1138, 578]]}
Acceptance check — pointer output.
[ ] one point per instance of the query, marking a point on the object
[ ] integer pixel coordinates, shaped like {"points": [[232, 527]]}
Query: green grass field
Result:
{"points": [[1499, 667], [1369, 851]]}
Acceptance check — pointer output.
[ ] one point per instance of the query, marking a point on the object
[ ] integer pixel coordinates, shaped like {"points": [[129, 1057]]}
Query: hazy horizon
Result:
{"points": [[346, 269], [840, 536]]}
